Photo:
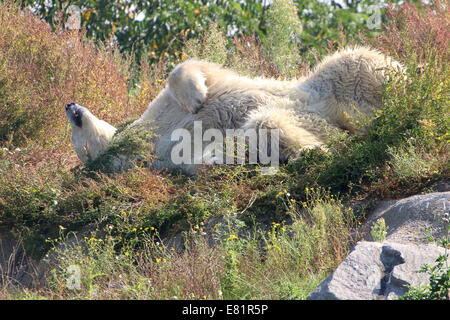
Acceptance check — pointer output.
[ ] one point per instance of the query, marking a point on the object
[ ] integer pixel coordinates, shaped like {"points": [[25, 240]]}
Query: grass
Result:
{"points": [[229, 233]]}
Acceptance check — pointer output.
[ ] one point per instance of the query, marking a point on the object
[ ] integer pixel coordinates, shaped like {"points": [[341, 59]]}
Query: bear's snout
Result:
{"points": [[69, 105]]}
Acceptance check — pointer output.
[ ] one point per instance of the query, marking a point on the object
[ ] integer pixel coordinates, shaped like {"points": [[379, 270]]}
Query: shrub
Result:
{"points": [[211, 47], [415, 29], [378, 231], [408, 163], [127, 148], [41, 71], [316, 240], [280, 45]]}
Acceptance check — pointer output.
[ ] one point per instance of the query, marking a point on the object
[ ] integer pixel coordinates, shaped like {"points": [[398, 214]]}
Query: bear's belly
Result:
{"points": [[222, 111]]}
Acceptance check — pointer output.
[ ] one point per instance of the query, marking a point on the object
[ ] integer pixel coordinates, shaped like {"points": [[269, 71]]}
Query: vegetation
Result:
{"points": [[158, 28], [439, 274], [378, 232], [149, 235]]}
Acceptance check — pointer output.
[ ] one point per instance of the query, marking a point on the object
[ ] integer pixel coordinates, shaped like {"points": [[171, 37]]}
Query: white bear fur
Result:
{"points": [[341, 89], [93, 138]]}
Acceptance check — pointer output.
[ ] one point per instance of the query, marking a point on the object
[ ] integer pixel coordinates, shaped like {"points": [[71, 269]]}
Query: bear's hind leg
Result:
{"points": [[296, 133]]}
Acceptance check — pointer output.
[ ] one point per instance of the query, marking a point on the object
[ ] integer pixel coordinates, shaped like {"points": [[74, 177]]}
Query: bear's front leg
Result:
{"points": [[187, 85]]}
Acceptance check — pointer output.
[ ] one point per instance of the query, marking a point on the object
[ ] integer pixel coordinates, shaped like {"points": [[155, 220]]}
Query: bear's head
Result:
{"points": [[75, 114]]}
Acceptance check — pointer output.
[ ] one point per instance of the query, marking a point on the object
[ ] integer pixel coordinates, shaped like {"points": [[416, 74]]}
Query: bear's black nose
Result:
{"points": [[69, 105]]}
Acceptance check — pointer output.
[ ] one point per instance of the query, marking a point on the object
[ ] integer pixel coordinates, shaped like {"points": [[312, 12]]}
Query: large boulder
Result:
{"points": [[412, 220], [378, 271], [375, 270]]}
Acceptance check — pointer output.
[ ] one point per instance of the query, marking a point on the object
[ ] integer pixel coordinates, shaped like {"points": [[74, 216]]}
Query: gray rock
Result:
{"points": [[378, 271], [413, 219]]}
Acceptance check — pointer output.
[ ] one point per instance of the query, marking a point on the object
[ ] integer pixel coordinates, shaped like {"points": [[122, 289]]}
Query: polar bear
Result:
{"points": [[342, 88], [90, 135]]}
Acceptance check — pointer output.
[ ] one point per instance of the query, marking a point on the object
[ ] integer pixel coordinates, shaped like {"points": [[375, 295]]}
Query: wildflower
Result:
{"points": [[145, 279], [232, 237]]}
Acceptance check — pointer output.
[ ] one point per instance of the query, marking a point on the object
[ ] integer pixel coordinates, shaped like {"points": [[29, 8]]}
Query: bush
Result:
{"points": [[211, 47], [281, 43], [41, 71], [415, 31]]}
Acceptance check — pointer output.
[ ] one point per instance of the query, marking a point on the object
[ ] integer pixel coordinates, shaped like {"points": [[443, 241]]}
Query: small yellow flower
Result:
{"points": [[232, 237]]}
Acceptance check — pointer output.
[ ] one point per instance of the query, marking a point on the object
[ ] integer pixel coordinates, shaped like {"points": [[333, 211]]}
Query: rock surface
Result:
{"points": [[378, 271], [413, 219]]}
